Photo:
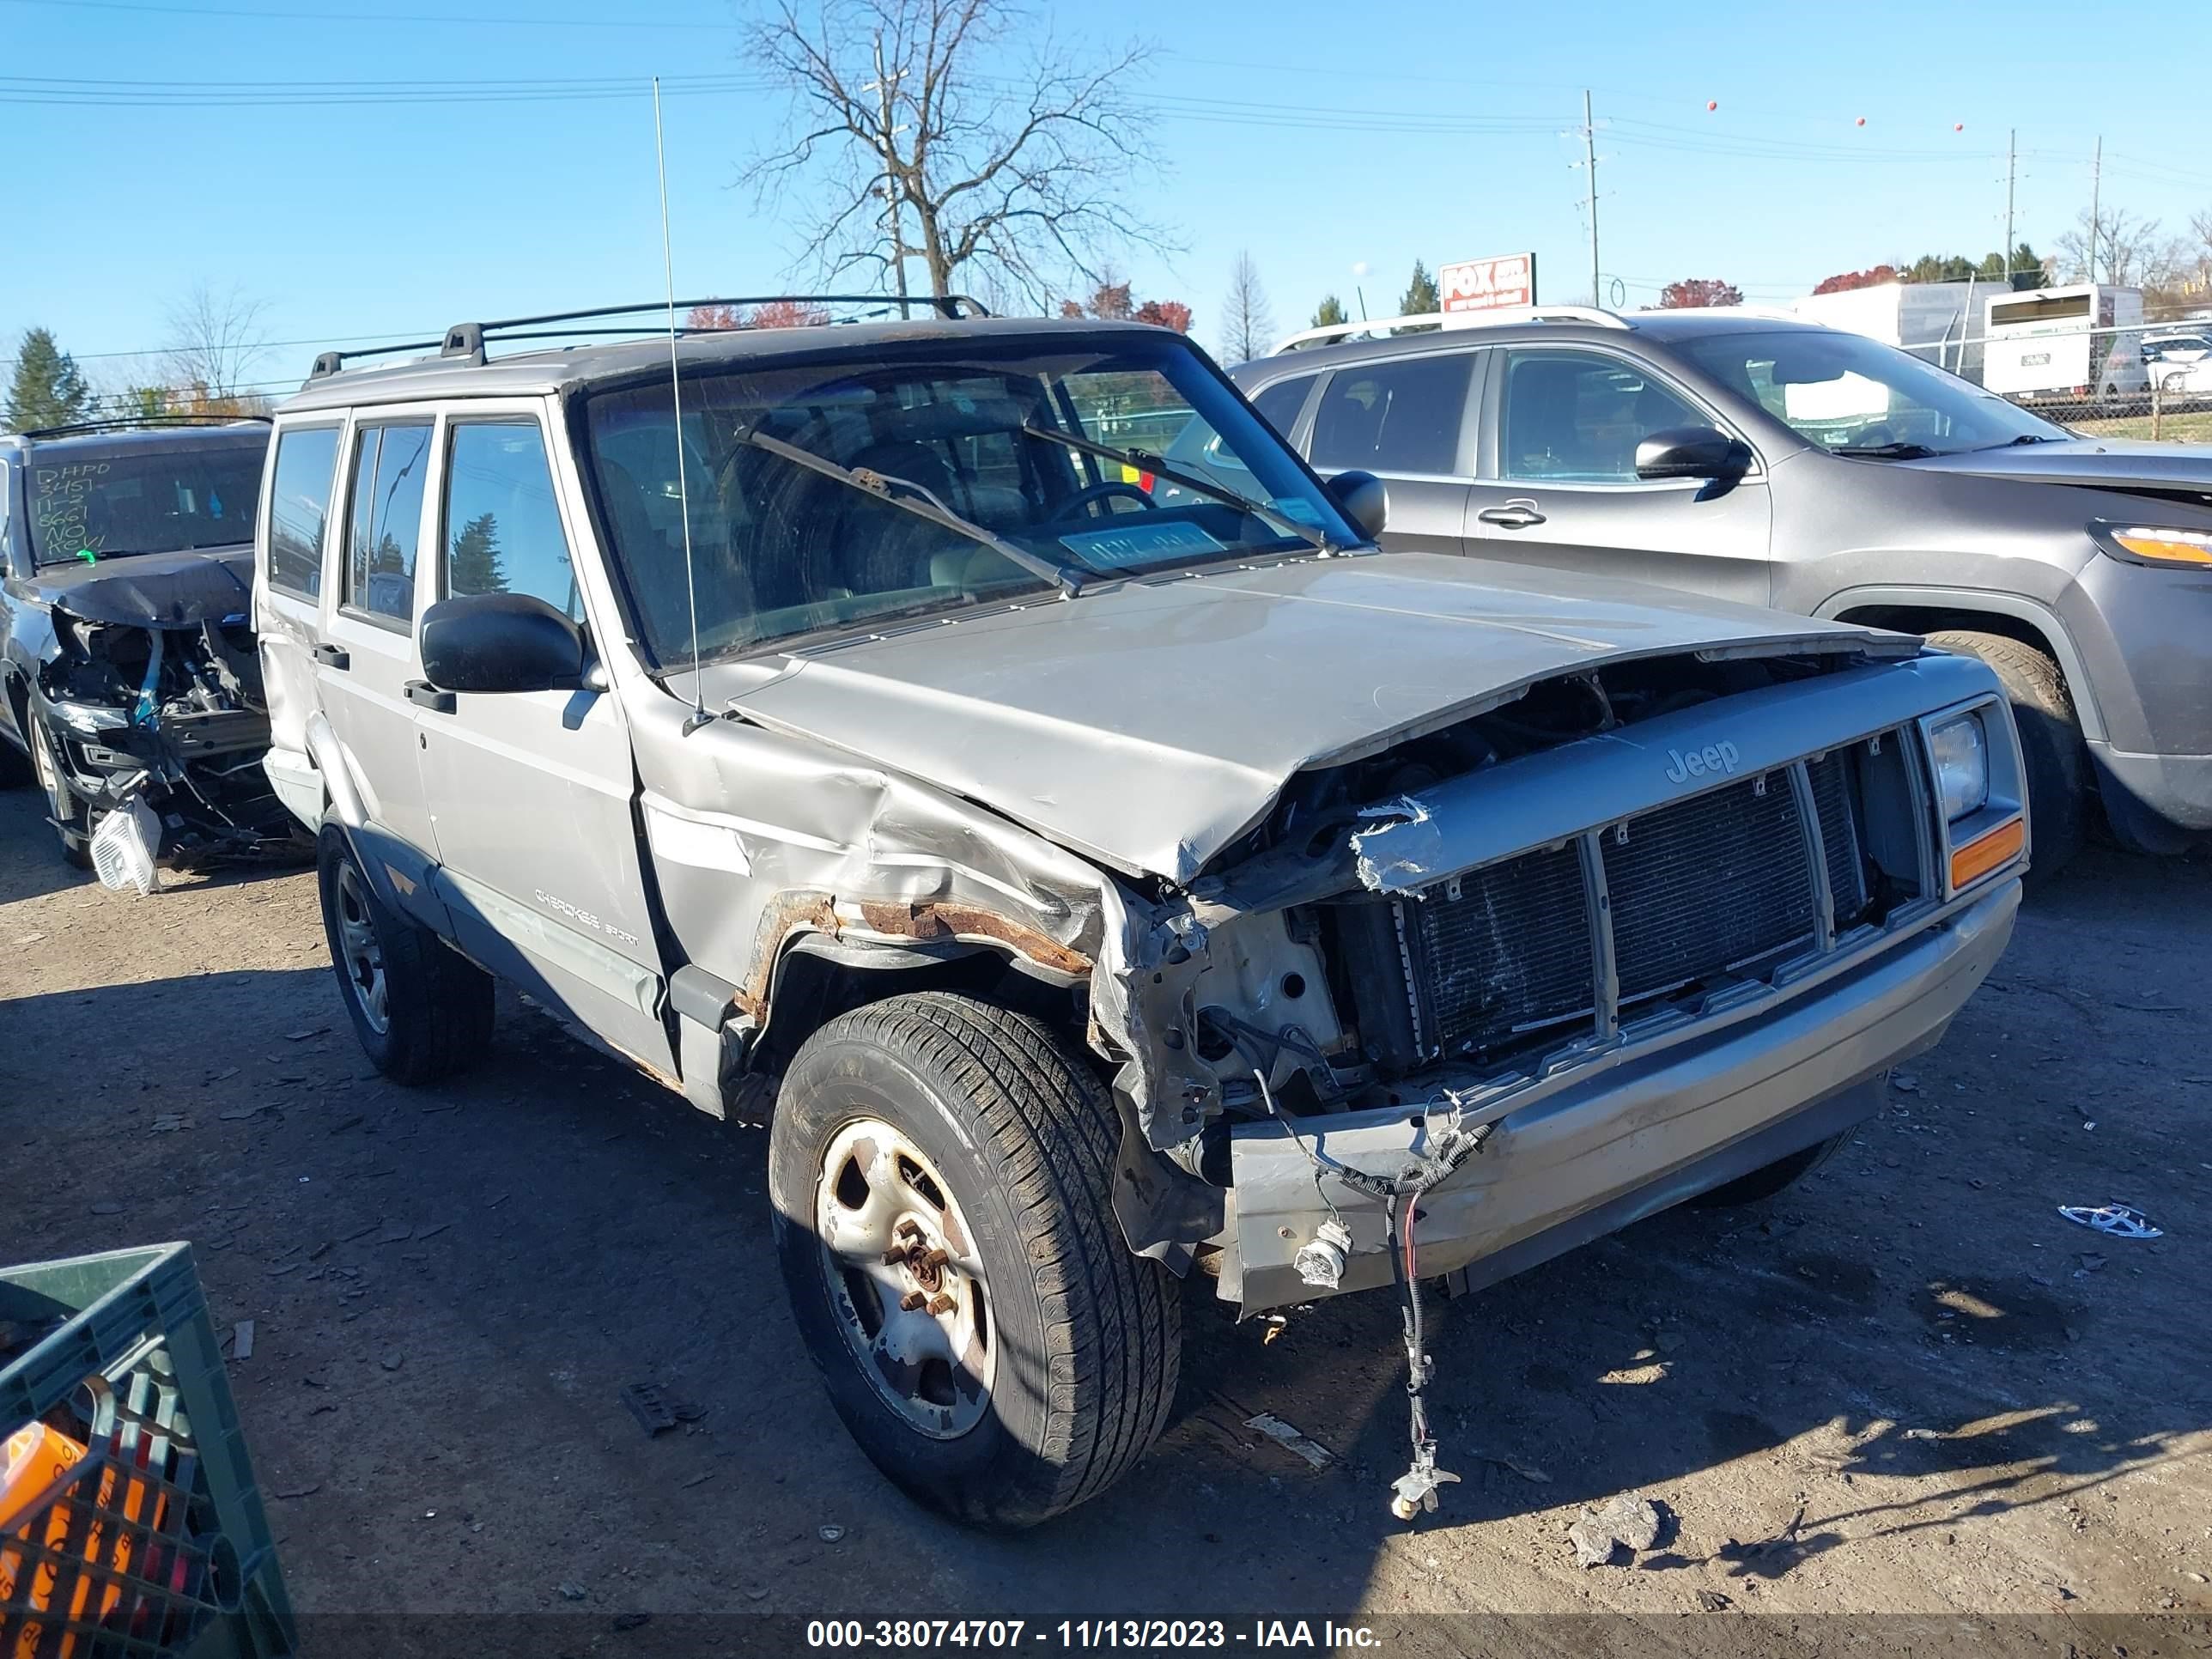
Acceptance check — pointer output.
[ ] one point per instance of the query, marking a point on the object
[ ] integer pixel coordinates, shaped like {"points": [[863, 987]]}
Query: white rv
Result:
{"points": [[2080, 342]]}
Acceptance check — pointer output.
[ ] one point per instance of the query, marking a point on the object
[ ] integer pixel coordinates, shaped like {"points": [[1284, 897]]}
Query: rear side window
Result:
{"points": [[385, 520], [299, 506], [502, 531], [1279, 403], [1394, 418]]}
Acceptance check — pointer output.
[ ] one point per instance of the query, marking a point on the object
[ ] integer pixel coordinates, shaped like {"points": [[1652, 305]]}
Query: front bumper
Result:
{"points": [[1610, 1143]]}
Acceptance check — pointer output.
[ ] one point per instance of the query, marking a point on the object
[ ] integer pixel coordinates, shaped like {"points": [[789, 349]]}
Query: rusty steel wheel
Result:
{"points": [[942, 1171], [904, 1278]]}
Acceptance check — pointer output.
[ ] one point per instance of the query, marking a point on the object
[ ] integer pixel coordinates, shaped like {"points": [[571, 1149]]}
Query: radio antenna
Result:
{"points": [[699, 716]]}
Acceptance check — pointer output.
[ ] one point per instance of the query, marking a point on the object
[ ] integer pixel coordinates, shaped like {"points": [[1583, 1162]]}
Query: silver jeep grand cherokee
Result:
{"points": [[1096, 867]]}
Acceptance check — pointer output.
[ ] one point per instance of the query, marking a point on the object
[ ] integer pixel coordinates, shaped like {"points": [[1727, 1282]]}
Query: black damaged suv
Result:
{"points": [[128, 674]]}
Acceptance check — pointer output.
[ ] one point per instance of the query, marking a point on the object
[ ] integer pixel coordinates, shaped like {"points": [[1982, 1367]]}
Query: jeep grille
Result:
{"points": [[1697, 892]]}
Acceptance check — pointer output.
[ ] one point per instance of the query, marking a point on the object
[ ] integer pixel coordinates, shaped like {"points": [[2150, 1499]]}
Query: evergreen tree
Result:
{"points": [[1420, 296], [476, 567], [1331, 312], [47, 390]]}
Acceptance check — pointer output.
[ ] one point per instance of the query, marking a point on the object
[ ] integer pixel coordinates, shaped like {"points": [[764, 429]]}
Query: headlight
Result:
{"points": [[89, 718], [2151, 545], [1961, 753]]}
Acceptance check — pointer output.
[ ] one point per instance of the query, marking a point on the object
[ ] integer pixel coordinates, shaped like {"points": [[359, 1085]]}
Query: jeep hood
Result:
{"points": [[152, 590], [1149, 725], [2086, 463]]}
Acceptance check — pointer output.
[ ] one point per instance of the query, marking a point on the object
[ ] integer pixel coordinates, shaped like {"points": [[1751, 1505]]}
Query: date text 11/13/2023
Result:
{"points": [[1068, 1634]]}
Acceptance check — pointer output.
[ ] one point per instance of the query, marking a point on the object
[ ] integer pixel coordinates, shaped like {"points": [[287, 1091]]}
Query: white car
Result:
{"points": [[2181, 363]]}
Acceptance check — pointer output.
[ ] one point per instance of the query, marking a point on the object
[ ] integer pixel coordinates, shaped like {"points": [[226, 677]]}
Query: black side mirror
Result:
{"points": [[1692, 452], [1366, 500], [501, 642]]}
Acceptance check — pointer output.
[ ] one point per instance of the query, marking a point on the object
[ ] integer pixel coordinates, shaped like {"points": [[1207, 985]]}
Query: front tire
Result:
{"points": [[1766, 1182], [941, 1171], [422, 1010], [72, 819], [2057, 759]]}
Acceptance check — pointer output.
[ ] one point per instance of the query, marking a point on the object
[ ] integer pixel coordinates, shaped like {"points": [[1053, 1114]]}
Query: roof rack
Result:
{"points": [[1502, 316], [126, 422], [467, 340]]}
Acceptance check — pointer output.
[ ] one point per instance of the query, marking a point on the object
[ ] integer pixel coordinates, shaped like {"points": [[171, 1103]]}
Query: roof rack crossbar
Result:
{"points": [[124, 422], [1502, 316], [466, 340]]}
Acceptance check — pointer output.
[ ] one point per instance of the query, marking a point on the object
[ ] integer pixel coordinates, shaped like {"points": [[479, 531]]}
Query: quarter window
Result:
{"points": [[1394, 418], [299, 505], [502, 531], [1578, 417], [385, 519]]}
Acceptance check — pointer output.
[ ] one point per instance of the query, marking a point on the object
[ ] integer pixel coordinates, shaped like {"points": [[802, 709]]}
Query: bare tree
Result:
{"points": [[958, 132], [215, 337], [2121, 248], [1248, 325]]}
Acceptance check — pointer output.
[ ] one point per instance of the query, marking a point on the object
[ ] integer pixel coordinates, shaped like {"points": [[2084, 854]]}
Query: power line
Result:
{"points": [[279, 15]]}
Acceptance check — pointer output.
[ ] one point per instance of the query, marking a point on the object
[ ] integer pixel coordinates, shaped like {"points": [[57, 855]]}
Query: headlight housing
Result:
{"points": [[1960, 750], [2153, 544]]}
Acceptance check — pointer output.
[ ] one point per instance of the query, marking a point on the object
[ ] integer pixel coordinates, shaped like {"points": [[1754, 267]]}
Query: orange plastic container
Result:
{"points": [[35, 1460]]}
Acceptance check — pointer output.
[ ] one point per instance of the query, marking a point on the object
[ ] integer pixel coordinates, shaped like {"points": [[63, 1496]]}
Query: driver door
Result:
{"points": [[531, 793], [1558, 485]]}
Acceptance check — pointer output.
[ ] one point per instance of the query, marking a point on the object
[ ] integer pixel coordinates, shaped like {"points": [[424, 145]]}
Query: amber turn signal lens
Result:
{"points": [[1970, 863], [2167, 546]]}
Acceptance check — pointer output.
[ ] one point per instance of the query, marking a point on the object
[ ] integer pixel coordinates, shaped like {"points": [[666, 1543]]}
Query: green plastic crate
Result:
{"points": [[163, 1526]]}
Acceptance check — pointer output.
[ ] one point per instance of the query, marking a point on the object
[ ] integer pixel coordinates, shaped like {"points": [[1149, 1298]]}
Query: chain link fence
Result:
{"points": [[2136, 381]]}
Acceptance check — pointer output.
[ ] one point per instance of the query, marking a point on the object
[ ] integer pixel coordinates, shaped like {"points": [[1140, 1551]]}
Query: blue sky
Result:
{"points": [[1331, 135]]}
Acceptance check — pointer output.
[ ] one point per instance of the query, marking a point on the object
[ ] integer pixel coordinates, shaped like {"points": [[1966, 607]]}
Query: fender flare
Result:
{"points": [[2017, 606]]}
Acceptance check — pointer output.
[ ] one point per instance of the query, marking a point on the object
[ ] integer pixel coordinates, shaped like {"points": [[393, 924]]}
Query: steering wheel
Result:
{"points": [[1874, 436], [1102, 492]]}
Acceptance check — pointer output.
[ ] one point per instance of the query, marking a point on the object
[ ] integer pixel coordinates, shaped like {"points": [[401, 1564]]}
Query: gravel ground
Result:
{"points": [[1907, 1387]]}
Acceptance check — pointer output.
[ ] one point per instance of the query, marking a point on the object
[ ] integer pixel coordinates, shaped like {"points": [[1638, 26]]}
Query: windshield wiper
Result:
{"points": [[1146, 461], [2030, 438], [1896, 452], [917, 500]]}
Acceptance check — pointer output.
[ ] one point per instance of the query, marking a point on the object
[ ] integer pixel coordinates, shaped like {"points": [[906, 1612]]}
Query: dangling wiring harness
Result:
{"points": [[1451, 1143]]}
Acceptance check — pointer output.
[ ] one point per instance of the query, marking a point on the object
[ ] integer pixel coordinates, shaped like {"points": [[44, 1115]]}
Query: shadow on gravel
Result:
{"points": [[454, 1284]]}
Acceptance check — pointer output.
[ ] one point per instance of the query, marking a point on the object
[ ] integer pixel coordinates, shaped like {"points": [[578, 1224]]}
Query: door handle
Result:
{"points": [[423, 695], [332, 657], [1516, 514]]}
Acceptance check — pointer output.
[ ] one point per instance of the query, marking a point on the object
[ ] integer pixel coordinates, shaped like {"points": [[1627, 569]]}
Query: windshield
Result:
{"points": [[1847, 392], [94, 501], [779, 550]]}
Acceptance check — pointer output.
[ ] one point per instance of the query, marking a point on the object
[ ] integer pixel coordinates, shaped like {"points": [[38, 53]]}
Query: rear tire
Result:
{"points": [[422, 1010], [2058, 761], [976, 1127], [1784, 1172]]}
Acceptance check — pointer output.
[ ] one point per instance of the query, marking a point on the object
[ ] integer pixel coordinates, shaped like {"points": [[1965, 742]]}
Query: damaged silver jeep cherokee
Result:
{"points": [[1096, 868], [128, 678]]}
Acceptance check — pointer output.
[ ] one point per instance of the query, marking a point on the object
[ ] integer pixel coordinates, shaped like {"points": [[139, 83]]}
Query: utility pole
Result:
{"points": [[1589, 161], [2096, 189], [2012, 157], [881, 89]]}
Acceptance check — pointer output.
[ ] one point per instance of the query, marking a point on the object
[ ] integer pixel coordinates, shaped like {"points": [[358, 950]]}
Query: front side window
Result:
{"points": [[1857, 397], [299, 506], [780, 551], [385, 521], [1394, 417], [502, 531], [94, 500], [1576, 417]]}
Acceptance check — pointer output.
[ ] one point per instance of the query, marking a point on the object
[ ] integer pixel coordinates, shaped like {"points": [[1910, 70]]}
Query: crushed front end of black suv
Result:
{"points": [[130, 671]]}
